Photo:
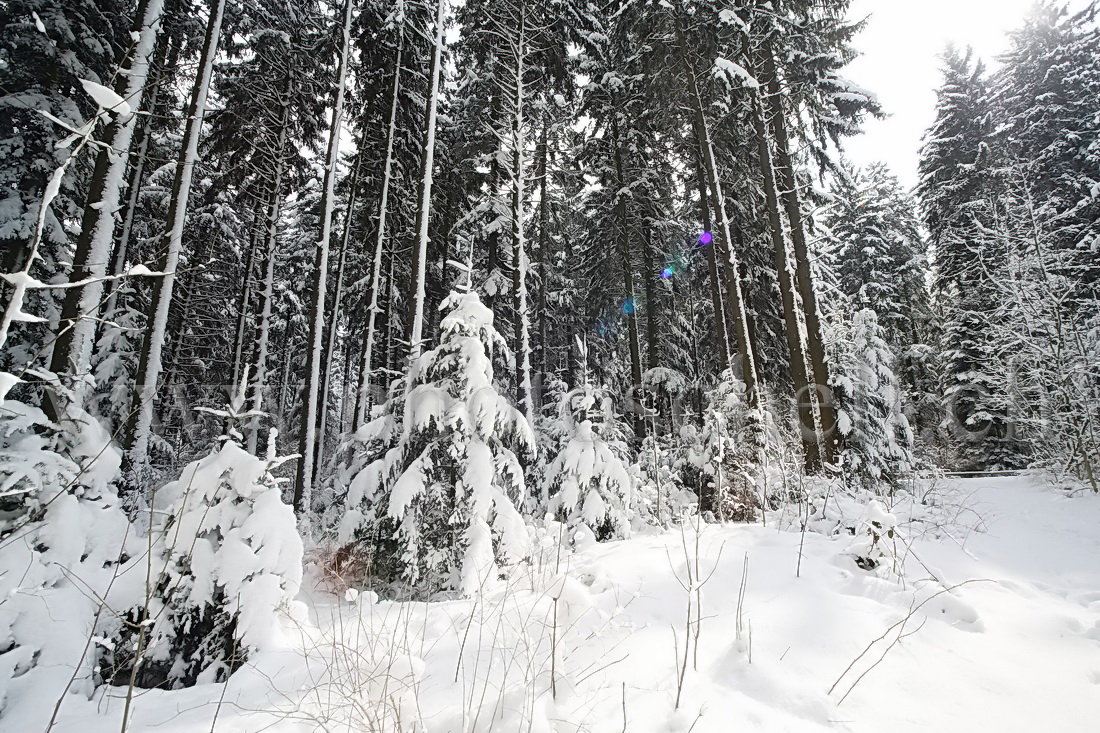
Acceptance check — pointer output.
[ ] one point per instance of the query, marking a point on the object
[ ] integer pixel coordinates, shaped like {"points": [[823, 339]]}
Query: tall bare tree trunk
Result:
{"points": [[136, 433], [792, 325], [73, 345], [334, 318], [159, 75], [267, 295], [522, 350], [818, 379], [544, 243], [631, 308], [414, 329], [721, 328], [303, 482], [244, 303], [714, 184], [364, 398]]}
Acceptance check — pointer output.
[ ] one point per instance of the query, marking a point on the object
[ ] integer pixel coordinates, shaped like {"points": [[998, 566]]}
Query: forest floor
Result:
{"points": [[987, 618]]}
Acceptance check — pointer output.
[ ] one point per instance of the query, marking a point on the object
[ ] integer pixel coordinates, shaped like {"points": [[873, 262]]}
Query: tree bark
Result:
{"points": [[136, 433], [818, 378], [267, 295], [522, 347], [714, 184], [630, 309], [414, 329], [364, 398], [792, 326], [334, 318], [303, 483], [73, 344], [721, 328]]}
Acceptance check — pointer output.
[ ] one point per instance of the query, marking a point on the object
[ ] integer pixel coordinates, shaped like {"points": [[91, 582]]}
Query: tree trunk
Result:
{"points": [[136, 433], [364, 398], [414, 329], [334, 319], [137, 173], [714, 183], [267, 295], [721, 328], [303, 482], [792, 326], [73, 345], [652, 307], [522, 348], [544, 243], [245, 301], [630, 309], [818, 379]]}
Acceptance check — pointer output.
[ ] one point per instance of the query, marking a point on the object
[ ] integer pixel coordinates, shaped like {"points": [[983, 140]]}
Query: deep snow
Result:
{"points": [[1015, 649]]}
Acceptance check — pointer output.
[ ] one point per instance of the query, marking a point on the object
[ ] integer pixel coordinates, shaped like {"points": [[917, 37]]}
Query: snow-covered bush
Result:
{"points": [[63, 539], [587, 482], [226, 556], [659, 496], [878, 443], [438, 508], [874, 537], [725, 454]]}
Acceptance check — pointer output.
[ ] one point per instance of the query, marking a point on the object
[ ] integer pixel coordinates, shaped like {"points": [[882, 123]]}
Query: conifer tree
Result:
{"points": [[878, 442], [436, 506]]}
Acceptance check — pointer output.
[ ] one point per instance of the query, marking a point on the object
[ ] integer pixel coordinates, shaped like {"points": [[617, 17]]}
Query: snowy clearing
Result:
{"points": [[1015, 646]]}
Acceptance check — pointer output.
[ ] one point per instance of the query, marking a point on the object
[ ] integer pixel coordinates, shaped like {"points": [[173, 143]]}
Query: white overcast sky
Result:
{"points": [[901, 46]]}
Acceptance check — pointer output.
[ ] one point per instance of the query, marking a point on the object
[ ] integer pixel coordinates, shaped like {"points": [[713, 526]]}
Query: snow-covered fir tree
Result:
{"points": [[438, 510], [225, 558], [587, 482], [878, 442], [727, 454]]}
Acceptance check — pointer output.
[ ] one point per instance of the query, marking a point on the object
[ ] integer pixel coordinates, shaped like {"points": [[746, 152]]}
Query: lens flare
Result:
{"points": [[667, 273], [628, 306], [706, 238]]}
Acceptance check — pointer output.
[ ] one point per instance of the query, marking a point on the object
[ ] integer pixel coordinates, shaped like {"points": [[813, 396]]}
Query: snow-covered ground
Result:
{"points": [[1000, 597]]}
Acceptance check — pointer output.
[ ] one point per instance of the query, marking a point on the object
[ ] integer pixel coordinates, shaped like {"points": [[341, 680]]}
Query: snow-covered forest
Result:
{"points": [[541, 365]]}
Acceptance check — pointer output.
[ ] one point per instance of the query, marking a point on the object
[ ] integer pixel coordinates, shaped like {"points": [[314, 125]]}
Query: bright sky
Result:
{"points": [[901, 45]]}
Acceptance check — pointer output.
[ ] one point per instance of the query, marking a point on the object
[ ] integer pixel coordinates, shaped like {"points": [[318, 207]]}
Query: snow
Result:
{"points": [[7, 381], [106, 98], [728, 70], [1006, 639]]}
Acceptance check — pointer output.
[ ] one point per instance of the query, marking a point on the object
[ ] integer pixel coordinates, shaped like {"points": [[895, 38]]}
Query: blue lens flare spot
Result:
{"points": [[706, 238], [667, 273], [628, 307]]}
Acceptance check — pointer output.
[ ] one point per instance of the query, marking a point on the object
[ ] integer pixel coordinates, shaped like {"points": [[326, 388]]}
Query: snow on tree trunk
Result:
{"points": [[811, 437], [519, 247], [740, 325], [334, 317], [818, 377], [72, 347], [415, 326], [259, 381], [365, 398], [303, 484], [244, 303], [139, 425]]}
